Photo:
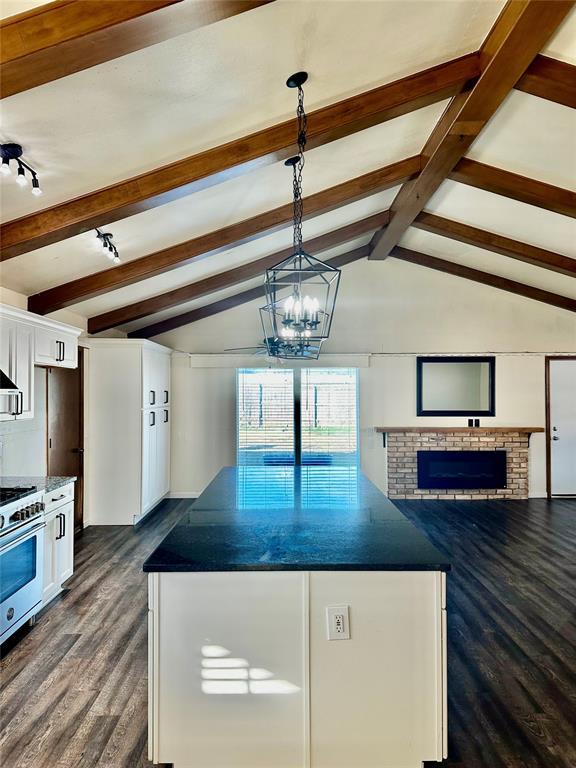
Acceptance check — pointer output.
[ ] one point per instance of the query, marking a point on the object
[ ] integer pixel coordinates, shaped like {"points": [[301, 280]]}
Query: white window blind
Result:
{"points": [[329, 416], [265, 417]]}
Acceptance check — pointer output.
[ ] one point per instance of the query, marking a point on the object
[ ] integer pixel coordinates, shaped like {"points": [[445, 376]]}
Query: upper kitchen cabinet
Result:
{"points": [[22, 337], [155, 378], [56, 347]]}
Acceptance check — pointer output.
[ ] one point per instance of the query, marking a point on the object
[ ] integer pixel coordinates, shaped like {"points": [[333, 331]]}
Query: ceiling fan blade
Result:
{"points": [[240, 349]]}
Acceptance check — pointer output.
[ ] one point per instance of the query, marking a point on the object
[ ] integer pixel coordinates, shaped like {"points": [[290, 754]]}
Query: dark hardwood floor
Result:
{"points": [[73, 688], [511, 629]]}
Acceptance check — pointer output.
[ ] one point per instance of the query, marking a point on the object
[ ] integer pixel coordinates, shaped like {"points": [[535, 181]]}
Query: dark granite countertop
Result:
{"points": [[290, 518], [45, 484]]}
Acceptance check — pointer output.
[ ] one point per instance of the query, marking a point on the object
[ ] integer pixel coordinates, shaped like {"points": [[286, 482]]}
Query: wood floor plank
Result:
{"points": [[73, 689]]}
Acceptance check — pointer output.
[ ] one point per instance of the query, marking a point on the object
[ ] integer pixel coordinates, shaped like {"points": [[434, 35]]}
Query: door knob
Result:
{"points": [[555, 438]]}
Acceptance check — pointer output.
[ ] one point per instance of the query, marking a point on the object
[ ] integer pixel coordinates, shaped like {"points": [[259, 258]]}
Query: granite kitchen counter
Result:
{"points": [[44, 484], [294, 518]]}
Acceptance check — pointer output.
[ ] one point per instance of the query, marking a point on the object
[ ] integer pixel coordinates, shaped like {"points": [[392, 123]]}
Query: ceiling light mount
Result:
{"points": [[13, 152], [297, 80]]}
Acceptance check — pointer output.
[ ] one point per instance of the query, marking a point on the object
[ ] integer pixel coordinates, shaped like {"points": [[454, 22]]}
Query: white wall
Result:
{"points": [[23, 442], [15, 299], [204, 420], [394, 311], [394, 306]]}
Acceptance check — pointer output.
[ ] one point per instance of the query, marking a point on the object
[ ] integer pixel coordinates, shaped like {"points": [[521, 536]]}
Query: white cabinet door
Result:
{"points": [[56, 348], [7, 363], [51, 585], [377, 698], [164, 452], [65, 543], [17, 361], [24, 370], [150, 426], [233, 680], [155, 378]]}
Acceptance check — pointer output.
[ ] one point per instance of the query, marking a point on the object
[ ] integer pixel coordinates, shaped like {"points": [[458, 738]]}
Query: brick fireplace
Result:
{"points": [[404, 443]]}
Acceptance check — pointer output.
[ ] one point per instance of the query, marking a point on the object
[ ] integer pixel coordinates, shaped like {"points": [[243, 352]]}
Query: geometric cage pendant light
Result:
{"points": [[301, 290]]}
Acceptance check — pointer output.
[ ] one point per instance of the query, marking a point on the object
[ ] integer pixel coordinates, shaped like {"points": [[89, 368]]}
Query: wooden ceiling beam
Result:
{"points": [[60, 38], [230, 277], [220, 240], [235, 158], [519, 33], [550, 79], [514, 186], [403, 254], [463, 233], [486, 278], [251, 294]]}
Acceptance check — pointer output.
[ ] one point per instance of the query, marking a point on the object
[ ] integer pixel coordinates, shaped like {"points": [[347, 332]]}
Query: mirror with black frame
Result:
{"points": [[455, 386]]}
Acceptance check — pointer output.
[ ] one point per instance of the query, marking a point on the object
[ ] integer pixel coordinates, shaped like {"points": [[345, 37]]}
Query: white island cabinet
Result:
{"points": [[296, 637]]}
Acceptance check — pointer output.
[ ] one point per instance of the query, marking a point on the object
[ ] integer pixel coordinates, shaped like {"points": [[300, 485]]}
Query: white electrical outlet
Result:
{"points": [[338, 622]]}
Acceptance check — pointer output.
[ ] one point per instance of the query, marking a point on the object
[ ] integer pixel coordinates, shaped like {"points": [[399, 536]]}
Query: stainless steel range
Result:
{"points": [[21, 556]]}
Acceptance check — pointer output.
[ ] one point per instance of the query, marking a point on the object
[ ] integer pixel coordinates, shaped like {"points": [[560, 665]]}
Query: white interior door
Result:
{"points": [[563, 427]]}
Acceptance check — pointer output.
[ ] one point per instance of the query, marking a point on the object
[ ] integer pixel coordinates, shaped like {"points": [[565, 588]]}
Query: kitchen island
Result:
{"points": [[296, 618]]}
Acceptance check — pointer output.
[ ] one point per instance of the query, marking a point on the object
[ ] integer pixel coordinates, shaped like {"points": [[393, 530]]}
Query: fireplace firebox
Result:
{"points": [[461, 470]]}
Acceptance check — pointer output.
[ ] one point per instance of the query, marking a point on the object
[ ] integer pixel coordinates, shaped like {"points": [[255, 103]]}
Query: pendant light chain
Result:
{"points": [[301, 289], [298, 170]]}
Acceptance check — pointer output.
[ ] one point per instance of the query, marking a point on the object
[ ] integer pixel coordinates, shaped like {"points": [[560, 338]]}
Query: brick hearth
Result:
{"points": [[402, 470]]}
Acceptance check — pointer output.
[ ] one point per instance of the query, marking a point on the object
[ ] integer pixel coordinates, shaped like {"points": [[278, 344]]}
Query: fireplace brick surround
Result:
{"points": [[403, 445]]}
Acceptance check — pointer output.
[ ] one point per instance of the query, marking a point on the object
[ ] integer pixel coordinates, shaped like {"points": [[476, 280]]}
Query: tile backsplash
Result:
{"points": [[23, 442]]}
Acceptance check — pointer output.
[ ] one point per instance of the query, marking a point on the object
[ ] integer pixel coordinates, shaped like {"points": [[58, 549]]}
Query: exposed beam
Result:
{"points": [[403, 254], [495, 281], [230, 277], [530, 254], [520, 32], [232, 301], [60, 38], [550, 79], [220, 240], [237, 157], [516, 187]]}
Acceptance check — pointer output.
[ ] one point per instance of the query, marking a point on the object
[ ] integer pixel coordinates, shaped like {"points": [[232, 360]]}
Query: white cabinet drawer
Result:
{"points": [[58, 498]]}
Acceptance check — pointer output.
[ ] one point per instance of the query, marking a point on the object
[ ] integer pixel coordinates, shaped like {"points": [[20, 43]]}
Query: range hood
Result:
{"points": [[7, 386]]}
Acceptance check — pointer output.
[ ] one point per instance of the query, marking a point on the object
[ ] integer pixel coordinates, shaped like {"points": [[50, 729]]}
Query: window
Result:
{"points": [[329, 416], [305, 416], [265, 416]]}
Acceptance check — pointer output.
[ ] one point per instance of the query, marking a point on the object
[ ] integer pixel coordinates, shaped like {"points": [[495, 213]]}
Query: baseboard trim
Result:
{"points": [[183, 495]]}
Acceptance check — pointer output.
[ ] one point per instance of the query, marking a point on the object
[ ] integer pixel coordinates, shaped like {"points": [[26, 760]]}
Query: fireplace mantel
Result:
{"points": [[462, 430]]}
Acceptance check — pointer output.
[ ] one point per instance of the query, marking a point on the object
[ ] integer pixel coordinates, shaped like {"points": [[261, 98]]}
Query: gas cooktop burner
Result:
{"points": [[11, 494]]}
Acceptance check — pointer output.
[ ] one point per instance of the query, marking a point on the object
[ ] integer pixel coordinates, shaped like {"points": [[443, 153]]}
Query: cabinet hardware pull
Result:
{"points": [[152, 397], [57, 498], [63, 525], [59, 516], [152, 419], [165, 396], [165, 416]]}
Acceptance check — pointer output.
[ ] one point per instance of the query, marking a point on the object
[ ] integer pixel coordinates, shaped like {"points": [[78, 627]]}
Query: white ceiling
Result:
{"points": [[206, 87], [154, 106]]}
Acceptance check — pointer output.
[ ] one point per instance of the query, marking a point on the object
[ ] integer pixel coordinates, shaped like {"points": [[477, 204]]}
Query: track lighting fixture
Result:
{"points": [[10, 152], [108, 247]]}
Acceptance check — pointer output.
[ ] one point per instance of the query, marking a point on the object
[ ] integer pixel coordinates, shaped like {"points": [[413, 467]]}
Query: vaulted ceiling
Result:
{"points": [[441, 133]]}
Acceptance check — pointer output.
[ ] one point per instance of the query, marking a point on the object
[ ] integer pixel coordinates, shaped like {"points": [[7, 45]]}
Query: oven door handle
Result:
{"points": [[19, 539]]}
